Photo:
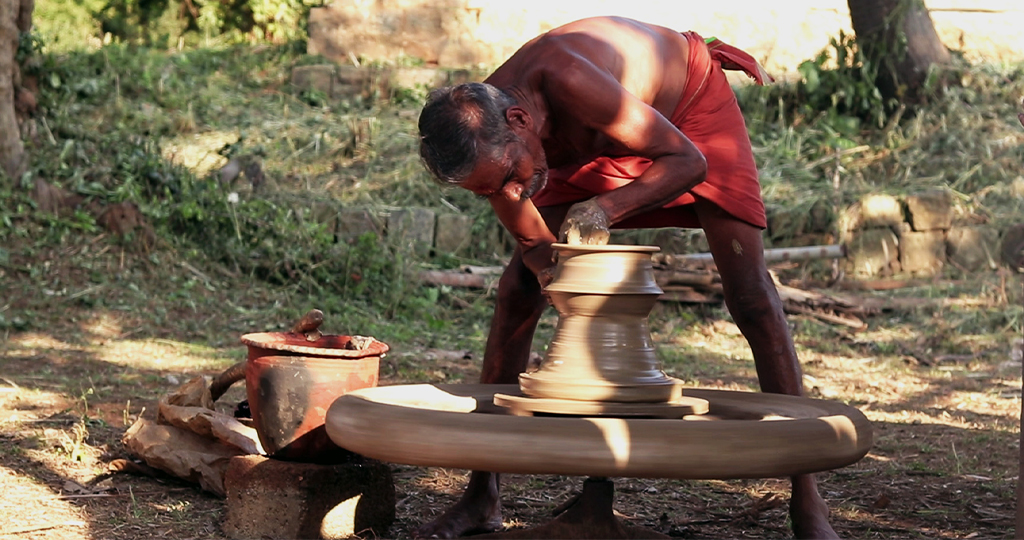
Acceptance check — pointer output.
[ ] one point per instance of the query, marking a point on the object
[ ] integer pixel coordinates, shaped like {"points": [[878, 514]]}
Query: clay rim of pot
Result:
{"points": [[605, 248], [330, 345]]}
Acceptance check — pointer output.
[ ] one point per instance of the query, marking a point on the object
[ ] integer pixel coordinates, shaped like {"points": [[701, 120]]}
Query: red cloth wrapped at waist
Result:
{"points": [[710, 117]]}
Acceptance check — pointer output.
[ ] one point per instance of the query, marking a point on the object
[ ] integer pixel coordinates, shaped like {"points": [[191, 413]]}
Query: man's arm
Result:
{"points": [[523, 220], [585, 93]]}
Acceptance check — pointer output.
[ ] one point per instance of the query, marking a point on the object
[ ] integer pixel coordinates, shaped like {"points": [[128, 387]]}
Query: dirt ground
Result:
{"points": [[944, 401]]}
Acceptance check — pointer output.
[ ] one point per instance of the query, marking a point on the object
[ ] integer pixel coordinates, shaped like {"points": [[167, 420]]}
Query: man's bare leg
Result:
{"points": [[755, 305], [516, 313]]}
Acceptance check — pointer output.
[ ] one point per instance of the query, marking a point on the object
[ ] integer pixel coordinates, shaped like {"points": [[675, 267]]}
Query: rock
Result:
{"points": [[930, 210], [880, 211], [412, 229], [454, 233], [270, 498], [873, 252], [319, 78], [973, 248], [923, 253], [355, 222]]}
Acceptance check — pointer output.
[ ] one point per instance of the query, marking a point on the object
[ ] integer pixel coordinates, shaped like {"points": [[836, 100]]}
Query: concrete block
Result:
{"points": [[930, 210], [923, 253], [412, 229], [326, 213], [880, 211], [973, 248], [352, 81], [274, 499], [319, 78], [354, 222], [873, 252], [454, 233]]}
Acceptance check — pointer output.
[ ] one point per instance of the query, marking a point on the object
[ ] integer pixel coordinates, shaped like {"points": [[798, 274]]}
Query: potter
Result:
{"points": [[605, 123]]}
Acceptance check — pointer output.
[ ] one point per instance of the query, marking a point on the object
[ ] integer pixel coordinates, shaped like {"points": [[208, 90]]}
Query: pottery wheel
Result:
{"points": [[743, 435]]}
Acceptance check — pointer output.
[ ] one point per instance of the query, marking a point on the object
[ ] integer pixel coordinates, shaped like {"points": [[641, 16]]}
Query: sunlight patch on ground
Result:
{"points": [[162, 355], [199, 152], [35, 513], [20, 404]]}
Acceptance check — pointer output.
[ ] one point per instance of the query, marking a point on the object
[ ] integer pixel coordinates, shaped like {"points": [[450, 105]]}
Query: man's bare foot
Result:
{"points": [[477, 512], [462, 519], [808, 511]]}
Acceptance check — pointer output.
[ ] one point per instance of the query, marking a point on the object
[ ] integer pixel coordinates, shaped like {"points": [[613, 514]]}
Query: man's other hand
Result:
{"points": [[586, 223]]}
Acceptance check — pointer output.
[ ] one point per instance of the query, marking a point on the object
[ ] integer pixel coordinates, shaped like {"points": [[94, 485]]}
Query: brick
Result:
{"points": [[930, 210], [880, 211], [923, 253], [454, 233], [412, 229], [355, 222], [270, 498], [319, 78], [973, 248], [873, 252]]}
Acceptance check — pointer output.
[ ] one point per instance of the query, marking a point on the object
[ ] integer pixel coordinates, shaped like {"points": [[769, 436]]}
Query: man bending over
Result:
{"points": [[610, 122]]}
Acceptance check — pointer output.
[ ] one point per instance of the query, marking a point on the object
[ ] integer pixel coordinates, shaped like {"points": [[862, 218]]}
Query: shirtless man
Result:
{"points": [[601, 123]]}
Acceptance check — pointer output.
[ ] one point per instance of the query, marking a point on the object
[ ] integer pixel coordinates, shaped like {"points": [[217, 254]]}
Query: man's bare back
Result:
{"points": [[649, 62]]}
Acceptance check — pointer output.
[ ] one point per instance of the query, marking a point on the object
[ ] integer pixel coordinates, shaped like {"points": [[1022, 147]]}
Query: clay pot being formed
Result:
{"points": [[602, 348], [291, 382]]}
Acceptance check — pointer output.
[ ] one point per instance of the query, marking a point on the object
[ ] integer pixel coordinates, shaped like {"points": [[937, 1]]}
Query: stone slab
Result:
{"points": [[454, 233], [923, 253], [319, 78], [930, 210], [873, 252], [269, 498], [355, 222], [878, 210], [973, 248], [412, 229]]}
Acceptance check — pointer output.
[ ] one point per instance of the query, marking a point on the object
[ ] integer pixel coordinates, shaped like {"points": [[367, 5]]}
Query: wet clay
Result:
{"points": [[602, 349]]}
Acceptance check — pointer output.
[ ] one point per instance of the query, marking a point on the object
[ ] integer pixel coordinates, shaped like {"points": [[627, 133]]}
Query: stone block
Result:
{"points": [[274, 499], [352, 81], [873, 252], [930, 210], [319, 78], [355, 222], [923, 253], [412, 229], [325, 213], [880, 211], [454, 233], [973, 248]]}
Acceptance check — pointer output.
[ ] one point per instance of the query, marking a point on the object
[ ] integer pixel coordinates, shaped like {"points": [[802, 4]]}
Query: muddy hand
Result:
{"points": [[585, 223]]}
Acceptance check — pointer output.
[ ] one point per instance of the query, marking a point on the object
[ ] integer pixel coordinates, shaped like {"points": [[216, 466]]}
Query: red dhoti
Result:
{"points": [[710, 117]]}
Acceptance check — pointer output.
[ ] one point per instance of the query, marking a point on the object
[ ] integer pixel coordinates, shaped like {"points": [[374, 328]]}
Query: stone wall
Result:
{"points": [[464, 33], [915, 235]]}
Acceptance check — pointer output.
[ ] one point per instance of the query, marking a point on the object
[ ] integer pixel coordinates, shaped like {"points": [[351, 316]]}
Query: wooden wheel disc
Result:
{"points": [[744, 435]]}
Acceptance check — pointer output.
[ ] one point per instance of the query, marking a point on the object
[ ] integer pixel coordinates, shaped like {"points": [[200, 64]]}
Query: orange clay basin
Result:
{"points": [[742, 434], [291, 381]]}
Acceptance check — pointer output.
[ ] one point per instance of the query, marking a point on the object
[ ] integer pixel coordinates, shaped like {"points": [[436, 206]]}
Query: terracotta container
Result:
{"points": [[291, 382]]}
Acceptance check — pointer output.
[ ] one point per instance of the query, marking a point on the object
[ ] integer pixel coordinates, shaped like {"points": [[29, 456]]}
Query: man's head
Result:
{"points": [[461, 124]]}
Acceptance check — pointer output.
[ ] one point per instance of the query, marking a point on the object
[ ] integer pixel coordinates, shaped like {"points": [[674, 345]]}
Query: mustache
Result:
{"points": [[537, 183]]}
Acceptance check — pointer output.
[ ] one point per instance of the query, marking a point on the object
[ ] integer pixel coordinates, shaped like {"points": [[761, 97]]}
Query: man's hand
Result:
{"points": [[586, 223]]}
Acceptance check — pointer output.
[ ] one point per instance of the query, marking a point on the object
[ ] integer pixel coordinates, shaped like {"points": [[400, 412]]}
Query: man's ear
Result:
{"points": [[517, 117]]}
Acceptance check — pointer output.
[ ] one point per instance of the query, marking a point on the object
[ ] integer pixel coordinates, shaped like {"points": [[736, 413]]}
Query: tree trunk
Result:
{"points": [[15, 19], [898, 36]]}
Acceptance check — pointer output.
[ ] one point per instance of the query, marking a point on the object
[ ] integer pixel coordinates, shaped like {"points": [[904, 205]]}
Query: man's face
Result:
{"points": [[519, 175]]}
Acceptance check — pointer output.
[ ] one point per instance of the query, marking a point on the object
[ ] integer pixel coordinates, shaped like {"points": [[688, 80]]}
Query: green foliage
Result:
{"points": [[69, 24]]}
